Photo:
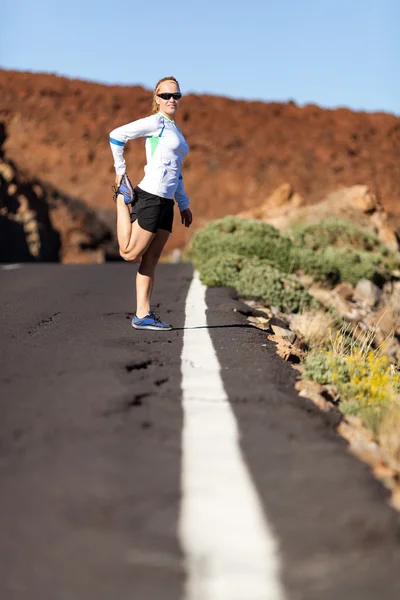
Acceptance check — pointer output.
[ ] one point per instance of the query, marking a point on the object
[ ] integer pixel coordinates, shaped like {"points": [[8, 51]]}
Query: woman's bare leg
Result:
{"points": [[145, 274], [132, 239], [124, 225]]}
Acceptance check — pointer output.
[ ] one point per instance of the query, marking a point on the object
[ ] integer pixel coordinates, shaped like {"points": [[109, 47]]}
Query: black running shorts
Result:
{"points": [[152, 212]]}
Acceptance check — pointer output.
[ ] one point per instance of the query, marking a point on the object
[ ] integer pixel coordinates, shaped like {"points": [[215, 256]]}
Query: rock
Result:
{"points": [[344, 291], [344, 308], [355, 315], [358, 423], [366, 451], [363, 198], [386, 233], [280, 318], [391, 296], [282, 200], [279, 322], [257, 307], [386, 320], [39, 191], [352, 429], [330, 392], [330, 298], [282, 332], [286, 350], [367, 292], [313, 391], [385, 323], [299, 344], [308, 385], [317, 399], [6, 171], [395, 499], [262, 320], [282, 195], [259, 322], [385, 474], [280, 327], [383, 470], [361, 441]]}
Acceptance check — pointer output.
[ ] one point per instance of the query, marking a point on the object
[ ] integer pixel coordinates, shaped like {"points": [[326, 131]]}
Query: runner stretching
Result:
{"points": [[145, 213]]}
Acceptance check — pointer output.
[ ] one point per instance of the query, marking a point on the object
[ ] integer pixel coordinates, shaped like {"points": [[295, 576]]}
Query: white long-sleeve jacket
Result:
{"points": [[165, 150]]}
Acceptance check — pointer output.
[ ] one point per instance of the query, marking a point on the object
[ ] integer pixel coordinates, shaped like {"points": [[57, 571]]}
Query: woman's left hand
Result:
{"points": [[186, 216]]}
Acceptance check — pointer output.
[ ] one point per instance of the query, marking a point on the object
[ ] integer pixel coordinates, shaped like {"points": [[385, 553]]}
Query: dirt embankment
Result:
{"points": [[240, 151], [39, 223]]}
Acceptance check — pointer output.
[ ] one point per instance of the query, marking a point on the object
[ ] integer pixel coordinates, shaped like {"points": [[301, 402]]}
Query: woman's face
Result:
{"points": [[170, 106]]}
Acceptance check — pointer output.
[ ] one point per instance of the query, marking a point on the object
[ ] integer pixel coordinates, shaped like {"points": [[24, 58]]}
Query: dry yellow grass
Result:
{"points": [[312, 327]]}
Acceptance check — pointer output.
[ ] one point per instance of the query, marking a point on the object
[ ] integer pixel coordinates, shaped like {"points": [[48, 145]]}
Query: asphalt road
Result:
{"points": [[91, 449]]}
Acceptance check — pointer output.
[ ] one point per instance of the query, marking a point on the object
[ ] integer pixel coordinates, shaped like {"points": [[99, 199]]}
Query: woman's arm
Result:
{"points": [[180, 195], [183, 203], [119, 136]]}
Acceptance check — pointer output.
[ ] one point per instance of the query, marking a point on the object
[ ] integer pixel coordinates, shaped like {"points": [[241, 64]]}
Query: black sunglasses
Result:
{"points": [[168, 96]]}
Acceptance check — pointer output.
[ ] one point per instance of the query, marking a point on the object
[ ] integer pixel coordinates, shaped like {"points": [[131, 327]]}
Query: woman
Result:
{"points": [[145, 214]]}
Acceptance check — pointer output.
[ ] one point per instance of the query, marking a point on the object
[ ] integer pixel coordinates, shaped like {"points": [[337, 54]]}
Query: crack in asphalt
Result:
{"points": [[138, 366], [43, 324], [126, 405]]}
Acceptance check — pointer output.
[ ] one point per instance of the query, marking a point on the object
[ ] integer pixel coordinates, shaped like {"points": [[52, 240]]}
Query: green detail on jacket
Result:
{"points": [[154, 141]]}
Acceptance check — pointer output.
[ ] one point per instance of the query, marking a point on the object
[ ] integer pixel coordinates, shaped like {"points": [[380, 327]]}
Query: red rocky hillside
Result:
{"points": [[57, 131]]}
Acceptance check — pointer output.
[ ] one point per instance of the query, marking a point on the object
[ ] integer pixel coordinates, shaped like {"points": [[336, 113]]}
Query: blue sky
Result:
{"points": [[328, 52]]}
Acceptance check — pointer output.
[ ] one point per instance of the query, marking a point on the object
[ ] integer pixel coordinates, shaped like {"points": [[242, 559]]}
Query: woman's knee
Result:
{"points": [[151, 257], [130, 255]]}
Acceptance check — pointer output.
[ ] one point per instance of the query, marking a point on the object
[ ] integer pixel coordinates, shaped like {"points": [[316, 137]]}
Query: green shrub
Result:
{"points": [[257, 278], [337, 232], [253, 238], [356, 253], [354, 265], [245, 237], [320, 267], [325, 368], [222, 270], [327, 264]]}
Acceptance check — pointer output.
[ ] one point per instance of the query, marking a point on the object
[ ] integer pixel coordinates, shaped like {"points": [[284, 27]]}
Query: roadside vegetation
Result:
{"points": [[338, 288], [365, 380], [255, 252]]}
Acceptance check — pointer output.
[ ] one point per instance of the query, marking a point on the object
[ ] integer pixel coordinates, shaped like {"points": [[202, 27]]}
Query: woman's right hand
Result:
{"points": [[118, 179]]}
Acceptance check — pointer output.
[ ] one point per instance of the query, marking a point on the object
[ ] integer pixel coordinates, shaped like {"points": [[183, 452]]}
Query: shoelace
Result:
{"points": [[115, 189], [156, 318]]}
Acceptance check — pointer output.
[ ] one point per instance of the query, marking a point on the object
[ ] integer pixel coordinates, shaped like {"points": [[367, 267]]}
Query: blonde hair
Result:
{"points": [[155, 107]]}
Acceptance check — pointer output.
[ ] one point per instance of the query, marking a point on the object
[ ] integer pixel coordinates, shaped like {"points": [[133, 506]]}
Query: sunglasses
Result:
{"points": [[168, 96]]}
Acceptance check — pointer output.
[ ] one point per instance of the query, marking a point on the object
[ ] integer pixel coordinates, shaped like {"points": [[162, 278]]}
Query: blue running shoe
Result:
{"points": [[150, 321], [125, 188]]}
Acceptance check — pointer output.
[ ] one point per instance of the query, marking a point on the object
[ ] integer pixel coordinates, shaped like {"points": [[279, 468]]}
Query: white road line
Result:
{"points": [[230, 551], [11, 267]]}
